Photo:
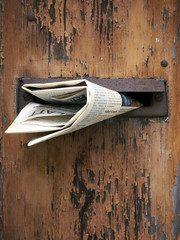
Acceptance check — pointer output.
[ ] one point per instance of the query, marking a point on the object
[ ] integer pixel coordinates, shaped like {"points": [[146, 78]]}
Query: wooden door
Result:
{"points": [[119, 179]]}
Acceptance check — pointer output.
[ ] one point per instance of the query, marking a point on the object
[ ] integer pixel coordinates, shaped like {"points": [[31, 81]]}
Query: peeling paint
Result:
{"points": [[173, 55], [147, 61], [78, 192], [109, 181], [143, 210], [165, 19], [175, 191], [49, 15], [5, 119], [153, 51]]}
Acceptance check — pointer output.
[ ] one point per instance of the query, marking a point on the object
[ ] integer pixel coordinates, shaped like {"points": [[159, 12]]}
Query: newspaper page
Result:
{"points": [[71, 105]]}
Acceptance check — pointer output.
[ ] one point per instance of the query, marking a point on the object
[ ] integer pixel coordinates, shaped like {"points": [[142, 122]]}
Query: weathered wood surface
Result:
{"points": [[119, 179]]}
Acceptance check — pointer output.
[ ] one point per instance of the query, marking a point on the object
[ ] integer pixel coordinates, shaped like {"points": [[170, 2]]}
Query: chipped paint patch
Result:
{"points": [[173, 55], [5, 119], [165, 19], [81, 196]]}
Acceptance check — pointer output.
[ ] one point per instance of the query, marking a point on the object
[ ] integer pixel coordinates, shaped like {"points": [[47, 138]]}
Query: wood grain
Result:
{"points": [[115, 180]]}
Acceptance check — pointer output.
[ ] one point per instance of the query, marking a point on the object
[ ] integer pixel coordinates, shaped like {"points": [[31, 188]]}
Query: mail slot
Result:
{"points": [[152, 93]]}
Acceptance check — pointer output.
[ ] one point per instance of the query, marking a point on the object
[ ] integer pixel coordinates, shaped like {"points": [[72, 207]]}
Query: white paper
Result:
{"points": [[79, 103]]}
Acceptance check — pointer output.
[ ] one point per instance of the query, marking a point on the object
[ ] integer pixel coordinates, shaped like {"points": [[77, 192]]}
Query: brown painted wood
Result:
{"points": [[115, 180]]}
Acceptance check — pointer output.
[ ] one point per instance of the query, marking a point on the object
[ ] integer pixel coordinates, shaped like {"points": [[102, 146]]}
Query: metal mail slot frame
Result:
{"points": [[152, 93]]}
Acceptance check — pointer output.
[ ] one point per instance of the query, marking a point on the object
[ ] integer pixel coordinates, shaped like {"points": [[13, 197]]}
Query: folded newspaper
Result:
{"points": [[68, 106]]}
